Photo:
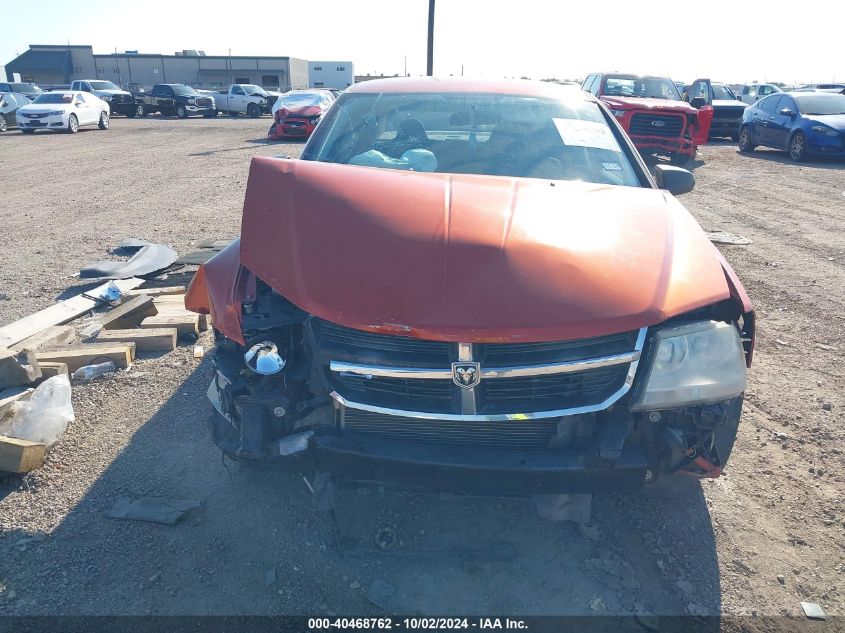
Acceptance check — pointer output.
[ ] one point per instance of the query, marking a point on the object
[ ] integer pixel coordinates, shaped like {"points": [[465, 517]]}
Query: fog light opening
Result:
{"points": [[263, 358]]}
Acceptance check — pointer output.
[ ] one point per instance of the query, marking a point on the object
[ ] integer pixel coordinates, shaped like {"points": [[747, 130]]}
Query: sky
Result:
{"points": [[734, 41]]}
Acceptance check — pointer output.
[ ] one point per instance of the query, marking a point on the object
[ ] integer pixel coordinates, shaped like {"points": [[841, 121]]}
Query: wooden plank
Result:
{"points": [[20, 456], [175, 306], [9, 396], [53, 335], [17, 368], [185, 323], [172, 298], [129, 314], [76, 356], [146, 340], [59, 313], [157, 292]]}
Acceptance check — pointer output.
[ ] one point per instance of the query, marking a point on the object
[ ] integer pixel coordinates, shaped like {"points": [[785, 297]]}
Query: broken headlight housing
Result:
{"points": [[693, 364]]}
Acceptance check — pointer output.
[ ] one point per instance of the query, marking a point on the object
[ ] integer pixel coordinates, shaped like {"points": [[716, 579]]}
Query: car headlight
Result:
{"points": [[618, 113], [824, 130], [55, 113], [106, 97], [314, 120], [262, 102], [191, 101], [693, 364]]}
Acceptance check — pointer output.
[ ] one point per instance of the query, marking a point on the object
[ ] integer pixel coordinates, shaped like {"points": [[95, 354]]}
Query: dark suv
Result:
{"points": [[174, 99]]}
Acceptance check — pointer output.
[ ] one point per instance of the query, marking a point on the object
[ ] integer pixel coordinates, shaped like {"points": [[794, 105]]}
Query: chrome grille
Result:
{"points": [[203, 102], [407, 377], [534, 434]]}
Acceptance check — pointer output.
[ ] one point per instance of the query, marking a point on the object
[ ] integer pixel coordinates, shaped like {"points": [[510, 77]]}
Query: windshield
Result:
{"points": [[644, 87], [103, 85], [821, 104], [503, 135], [721, 91], [301, 99], [184, 90], [252, 89], [25, 88], [54, 97]]}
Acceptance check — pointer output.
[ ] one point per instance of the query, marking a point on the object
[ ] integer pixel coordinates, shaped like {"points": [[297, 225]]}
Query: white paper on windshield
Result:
{"points": [[586, 134]]}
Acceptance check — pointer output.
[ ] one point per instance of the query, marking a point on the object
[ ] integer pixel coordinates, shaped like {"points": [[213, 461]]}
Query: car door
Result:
{"points": [[82, 108], [237, 99], [780, 125], [163, 98], [749, 94], [768, 108]]}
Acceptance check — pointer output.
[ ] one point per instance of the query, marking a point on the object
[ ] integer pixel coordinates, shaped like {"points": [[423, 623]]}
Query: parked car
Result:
{"points": [[651, 110], [727, 108], [246, 99], [10, 103], [296, 113], [834, 88], [803, 123], [66, 110], [120, 101], [751, 93], [29, 90], [474, 286], [174, 100]]}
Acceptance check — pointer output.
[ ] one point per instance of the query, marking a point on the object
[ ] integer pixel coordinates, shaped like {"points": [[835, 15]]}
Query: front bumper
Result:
{"points": [[826, 146], [290, 128], [56, 122], [482, 471], [194, 109], [126, 109], [725, 127], [661, 144]]}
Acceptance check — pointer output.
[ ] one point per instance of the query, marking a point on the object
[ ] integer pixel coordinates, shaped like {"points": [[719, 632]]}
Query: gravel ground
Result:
{"points": [[767, 535]]}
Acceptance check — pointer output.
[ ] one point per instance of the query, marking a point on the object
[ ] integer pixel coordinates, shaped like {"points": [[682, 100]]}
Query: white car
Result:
{"points": [[63, 110], [751, 93]]}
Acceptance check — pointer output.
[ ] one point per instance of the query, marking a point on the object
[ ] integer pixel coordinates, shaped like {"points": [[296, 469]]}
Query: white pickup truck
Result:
{"points": [[119, 100], [246, 99]]}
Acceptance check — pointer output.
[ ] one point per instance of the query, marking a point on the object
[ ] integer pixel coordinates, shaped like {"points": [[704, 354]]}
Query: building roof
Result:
{"points": [[35, 60]]}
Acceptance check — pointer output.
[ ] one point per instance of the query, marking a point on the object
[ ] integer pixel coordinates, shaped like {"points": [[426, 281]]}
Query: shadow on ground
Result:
{"points": [[259, 546]]}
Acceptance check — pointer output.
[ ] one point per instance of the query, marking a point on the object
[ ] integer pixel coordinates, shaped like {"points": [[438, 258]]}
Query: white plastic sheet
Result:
{"points": [[45, 416]]}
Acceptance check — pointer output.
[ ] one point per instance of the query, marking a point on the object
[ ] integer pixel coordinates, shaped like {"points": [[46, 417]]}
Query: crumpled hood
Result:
{"points": [[473, 258], [648, 104], [305, 111]]}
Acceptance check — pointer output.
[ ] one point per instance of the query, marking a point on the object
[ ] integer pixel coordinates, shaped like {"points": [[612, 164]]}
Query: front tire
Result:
{"points": [[253, 110], [798, 147], [104, 121], [4, 124], [181, 112], [72, 124], [745, 144], [679, 160], [140, 111]]}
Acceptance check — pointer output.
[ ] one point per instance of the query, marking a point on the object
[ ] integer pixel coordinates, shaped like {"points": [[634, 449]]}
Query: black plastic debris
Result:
{"points": [[149, 260], [167, 511]]}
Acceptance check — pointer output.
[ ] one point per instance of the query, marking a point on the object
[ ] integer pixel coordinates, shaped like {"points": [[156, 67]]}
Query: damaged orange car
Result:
{"points": [[474, 286]]}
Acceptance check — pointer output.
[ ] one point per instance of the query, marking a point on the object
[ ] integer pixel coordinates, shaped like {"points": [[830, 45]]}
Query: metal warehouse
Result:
{"points": [[61, 64]]}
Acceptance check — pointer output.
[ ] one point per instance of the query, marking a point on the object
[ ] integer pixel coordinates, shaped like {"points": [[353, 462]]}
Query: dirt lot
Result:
{"points": [[764, 537]]}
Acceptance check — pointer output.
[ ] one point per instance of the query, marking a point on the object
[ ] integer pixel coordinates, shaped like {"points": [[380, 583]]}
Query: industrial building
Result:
{"points": [[49, 65]]}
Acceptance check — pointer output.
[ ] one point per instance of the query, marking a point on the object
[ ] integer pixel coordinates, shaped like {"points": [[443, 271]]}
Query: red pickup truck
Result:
{"points": [[651, 111]]}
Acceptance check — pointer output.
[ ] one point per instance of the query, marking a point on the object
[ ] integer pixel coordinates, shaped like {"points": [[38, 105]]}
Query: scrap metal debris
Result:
{"points": [[150, 259], [813, 611], [167, 511]]}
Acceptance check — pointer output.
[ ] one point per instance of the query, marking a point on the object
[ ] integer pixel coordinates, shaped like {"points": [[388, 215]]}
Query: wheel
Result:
{"points": [[72, 124], [4, 125], [28, 131], [798, 147], [104, 121], [181, 111], [745, 144], [679, 160], [140, 111], [253, 111]]}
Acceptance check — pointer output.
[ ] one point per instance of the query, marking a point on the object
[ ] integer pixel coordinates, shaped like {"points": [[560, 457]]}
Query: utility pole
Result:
{"points": [[430, 57], [406, 66]]}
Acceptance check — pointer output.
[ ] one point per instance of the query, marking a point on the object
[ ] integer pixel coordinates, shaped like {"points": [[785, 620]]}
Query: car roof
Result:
{"points": [[521, 87]]}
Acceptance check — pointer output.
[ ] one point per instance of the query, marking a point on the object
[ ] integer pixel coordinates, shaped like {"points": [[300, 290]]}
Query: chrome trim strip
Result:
{"points": [[489, 372], [510, 417]]}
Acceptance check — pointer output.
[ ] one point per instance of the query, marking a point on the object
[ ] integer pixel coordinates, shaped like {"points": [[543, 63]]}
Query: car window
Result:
{"points": [[237, 90], [769, 105], [698, 90], [81, 98], [786, 102], [766, 90], [721, 91], [821, 104], [491, 134]]}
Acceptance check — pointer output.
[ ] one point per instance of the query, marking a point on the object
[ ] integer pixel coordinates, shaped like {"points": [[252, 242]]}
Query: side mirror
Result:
{"points": [[698, 102], [788, 112], [674, 179]]}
